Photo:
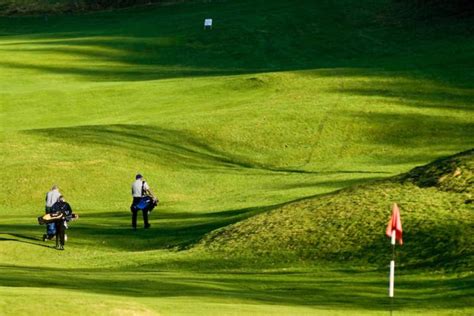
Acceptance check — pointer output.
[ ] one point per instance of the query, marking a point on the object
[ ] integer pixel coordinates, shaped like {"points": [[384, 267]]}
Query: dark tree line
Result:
{"points": [[105, 4], [58, 6], [440, 7]]}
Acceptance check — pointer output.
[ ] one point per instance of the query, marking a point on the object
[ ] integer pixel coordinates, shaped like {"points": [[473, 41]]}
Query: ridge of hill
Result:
{"points": [[436, 210], [452, 174]]}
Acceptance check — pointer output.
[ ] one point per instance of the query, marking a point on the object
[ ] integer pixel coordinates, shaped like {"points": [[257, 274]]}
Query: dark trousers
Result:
{"points": [[60, 231], [135, 211]]}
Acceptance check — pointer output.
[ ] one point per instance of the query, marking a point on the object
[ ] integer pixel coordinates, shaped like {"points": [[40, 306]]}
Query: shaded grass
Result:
{"points": [[109, 230], [170, 43], [322, 290]]}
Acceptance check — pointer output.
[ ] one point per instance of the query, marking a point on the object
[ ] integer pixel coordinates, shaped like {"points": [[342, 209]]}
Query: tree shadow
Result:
{"points": [[414, 90], [181, 148], [170, 147], [335, 183], [20, 238], [320, 290], [158, 43], [404, 65], [172, 230], [428, 136], [113, 229]]}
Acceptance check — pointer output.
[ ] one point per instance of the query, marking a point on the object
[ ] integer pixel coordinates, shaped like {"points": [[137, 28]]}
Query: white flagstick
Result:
{"points": [[392, 277], [392, 269]]}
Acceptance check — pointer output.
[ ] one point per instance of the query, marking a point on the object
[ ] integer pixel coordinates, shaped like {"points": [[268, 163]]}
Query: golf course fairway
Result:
{"points": [[276, 143]]}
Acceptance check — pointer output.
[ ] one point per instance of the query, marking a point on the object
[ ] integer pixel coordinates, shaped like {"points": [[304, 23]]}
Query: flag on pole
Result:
{"points": [[395, 225]]}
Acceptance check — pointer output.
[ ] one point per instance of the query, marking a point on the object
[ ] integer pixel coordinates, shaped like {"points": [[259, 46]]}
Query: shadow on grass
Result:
{"points": [[157, 48], [156, 43], [30, 240], [325, 289], [149, 45], [428, 135], [113, 229], [414, 90], [336, 184], [181, 148], [177, 231], [172, 147]]}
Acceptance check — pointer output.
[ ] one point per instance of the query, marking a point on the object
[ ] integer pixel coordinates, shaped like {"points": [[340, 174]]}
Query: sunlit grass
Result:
{"points": [[224, 125]]}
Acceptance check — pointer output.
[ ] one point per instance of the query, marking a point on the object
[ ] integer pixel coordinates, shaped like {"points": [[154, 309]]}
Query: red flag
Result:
{"points": [[395, 223]]}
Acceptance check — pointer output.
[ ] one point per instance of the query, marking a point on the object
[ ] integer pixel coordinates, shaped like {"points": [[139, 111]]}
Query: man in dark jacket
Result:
{"points": [[63, 207]]}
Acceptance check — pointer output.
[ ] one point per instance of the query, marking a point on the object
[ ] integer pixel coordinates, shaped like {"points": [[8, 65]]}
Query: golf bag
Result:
{"points": [[146, 203], [50, 218], [61, 211]]}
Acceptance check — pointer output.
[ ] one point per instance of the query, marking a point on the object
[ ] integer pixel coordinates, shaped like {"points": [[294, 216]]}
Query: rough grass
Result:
{"points": [[436, 207], [282, 101]]}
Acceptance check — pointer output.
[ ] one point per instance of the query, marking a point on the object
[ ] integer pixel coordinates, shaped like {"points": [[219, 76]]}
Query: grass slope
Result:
{"points": [[281, 101], [436, 207]]}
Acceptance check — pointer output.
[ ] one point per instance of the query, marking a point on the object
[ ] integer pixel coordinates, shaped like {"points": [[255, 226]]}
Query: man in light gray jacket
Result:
{"points": [[51, 198]]}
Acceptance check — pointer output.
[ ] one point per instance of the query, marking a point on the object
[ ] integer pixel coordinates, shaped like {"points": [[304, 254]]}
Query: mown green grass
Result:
{"points": [[149, 290], [281, 101]]}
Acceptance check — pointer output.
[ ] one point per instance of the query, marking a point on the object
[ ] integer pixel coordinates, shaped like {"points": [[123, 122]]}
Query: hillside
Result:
{"points": [[258, 112], [437, 214]]}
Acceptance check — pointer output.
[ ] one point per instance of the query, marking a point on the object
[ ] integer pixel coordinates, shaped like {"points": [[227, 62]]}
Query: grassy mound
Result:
{"points": [[436, 210]]}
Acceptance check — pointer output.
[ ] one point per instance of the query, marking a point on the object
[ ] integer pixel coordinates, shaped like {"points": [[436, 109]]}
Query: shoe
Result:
{"points": [[45, 237], [60, 247], [147, 226]]}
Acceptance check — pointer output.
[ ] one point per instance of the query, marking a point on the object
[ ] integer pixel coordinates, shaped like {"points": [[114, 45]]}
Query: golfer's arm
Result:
{"points": [[150, 193]]}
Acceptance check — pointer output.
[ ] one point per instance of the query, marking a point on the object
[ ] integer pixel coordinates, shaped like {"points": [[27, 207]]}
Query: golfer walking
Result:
{"points": [[140, 189], [51, 198]]}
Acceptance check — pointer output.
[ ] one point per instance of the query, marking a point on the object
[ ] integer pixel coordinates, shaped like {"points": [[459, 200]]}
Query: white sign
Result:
{"points": [[208, 23]]}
